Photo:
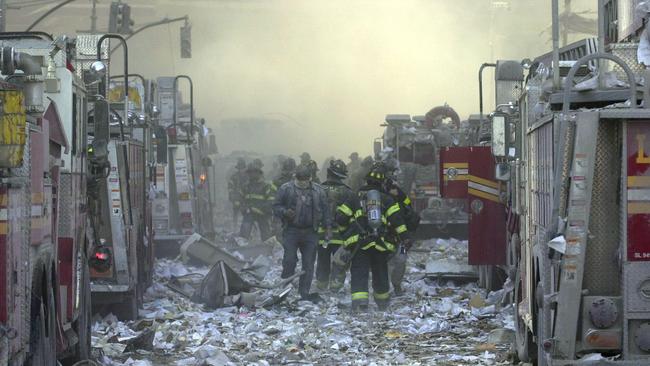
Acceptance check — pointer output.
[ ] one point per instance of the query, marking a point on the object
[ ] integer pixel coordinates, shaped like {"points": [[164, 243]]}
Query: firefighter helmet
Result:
{"points": [[377, 174], [305, 157], [289, 165], [257, 163], [337, 168], [241, 164], [367, 162]]}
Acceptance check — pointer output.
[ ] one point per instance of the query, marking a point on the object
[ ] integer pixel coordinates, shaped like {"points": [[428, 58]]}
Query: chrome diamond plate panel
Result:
{"points": [[602, 275], [66, 206]]}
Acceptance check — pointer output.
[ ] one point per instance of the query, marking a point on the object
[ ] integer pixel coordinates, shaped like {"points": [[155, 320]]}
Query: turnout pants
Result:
{"points": [[363, 262], [397, 269], [305, 241], [328, 273], [248, 220]]}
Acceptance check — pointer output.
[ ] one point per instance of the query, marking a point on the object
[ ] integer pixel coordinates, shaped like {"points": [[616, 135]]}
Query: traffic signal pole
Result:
{"points": [[151, 25]]}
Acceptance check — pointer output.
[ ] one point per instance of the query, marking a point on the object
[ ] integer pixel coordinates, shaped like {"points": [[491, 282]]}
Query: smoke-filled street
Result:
{"points": [[324, 182], [436, 321]]}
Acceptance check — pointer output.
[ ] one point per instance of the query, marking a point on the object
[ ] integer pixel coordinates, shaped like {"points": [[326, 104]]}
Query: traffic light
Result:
{"points": [[186, 41], [119, 20]]}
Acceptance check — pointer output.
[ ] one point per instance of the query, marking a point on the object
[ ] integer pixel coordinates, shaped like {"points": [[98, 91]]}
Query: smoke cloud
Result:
{"points": [[328, 71]]}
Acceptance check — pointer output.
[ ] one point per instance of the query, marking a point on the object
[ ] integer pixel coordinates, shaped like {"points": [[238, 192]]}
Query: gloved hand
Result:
{"points": [[342, 257], [407, 244], [289, 214], [328, 234]]}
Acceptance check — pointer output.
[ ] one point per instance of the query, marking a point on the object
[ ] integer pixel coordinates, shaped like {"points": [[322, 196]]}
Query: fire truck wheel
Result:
{"points": [[523, 338], [43, 326], [83, 347]]}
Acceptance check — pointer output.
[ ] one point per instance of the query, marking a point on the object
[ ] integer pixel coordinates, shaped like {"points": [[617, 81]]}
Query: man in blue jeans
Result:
{"points": [[302, 207]]}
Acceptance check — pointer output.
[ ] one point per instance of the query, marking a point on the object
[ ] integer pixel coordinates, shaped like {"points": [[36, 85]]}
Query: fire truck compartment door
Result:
{"points": [[454, 173], [487, 223]]}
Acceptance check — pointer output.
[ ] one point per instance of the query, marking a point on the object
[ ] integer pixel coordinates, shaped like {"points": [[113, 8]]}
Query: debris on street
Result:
{"points": [[436, 321]]}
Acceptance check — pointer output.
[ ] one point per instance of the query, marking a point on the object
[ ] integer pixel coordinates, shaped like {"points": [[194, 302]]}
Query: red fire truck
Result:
{"points": [[121, 264], [44, 281], [414, 143], [572, 169]]}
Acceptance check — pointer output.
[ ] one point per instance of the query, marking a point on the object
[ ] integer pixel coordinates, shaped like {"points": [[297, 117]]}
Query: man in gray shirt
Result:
{"points": [[302, 207]]}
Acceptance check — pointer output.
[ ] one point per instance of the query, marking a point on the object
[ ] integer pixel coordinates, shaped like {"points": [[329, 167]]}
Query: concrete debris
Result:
{"points": [[433, 323], [448, 260], [501, 336], [201, 249]]}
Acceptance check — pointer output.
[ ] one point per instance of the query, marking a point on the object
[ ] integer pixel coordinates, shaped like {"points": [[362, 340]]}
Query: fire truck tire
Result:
{"points": [[83, 324], [43, 325], [523, 337]]}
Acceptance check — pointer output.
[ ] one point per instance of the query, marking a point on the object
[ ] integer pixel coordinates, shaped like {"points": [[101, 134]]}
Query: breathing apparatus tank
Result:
{"points": [[373, 210]]}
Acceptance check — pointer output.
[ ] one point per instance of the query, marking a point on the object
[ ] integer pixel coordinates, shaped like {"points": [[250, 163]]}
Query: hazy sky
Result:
{"points": [[335, 66]]}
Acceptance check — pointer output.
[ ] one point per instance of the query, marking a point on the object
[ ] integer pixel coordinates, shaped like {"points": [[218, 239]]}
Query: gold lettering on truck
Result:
{"points": [[640, 157]]}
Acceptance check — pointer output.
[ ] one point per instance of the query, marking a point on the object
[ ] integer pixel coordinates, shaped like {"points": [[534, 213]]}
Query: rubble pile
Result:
{"points": [[437, 321]]}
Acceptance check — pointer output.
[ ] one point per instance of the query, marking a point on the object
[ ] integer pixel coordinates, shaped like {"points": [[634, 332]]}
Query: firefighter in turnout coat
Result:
{"points": [[342, 204], [381, 229], [257, 203]]}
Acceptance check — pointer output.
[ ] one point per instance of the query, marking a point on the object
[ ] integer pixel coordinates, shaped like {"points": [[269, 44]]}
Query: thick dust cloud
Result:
{"points": [[320, 75]]}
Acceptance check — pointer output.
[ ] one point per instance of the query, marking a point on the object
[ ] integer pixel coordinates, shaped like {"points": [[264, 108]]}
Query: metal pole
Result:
{"points": [[565, 22], [3, 15], [151, 25], [556, 44], [47, 13], [93, 18], [601, 42], [480, 89]]}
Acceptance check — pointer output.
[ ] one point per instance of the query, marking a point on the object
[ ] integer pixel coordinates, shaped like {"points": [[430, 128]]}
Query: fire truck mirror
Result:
{"points": [[500, 136], [101, 116], [502, 172], [98, 70]]}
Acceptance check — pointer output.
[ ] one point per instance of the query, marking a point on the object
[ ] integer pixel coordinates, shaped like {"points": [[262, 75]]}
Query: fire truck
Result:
{"points": [[415, 142], [121, 264], [44, 277], [571, 164], [183, 201]]}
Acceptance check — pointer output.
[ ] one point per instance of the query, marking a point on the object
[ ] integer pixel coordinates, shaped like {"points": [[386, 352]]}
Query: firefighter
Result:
{"points": [[305, 158], [313, 169], [286, 173], [235, 184], [381, 228], [397, 261], [342, 204], [302, 207], [257, 202], [358, 176], [355, 162]]}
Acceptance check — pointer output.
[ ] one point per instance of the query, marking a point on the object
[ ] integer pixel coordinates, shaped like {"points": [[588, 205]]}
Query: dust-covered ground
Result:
{"points": [[433, 323]]}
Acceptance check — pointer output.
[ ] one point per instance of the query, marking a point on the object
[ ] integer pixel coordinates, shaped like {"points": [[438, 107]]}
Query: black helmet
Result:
{"points": [[367, 161], [305, 157], [303, 172], [289, 165], [337, 168], [257, 163], [254, 168], [376, 175], [241, 164]]}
